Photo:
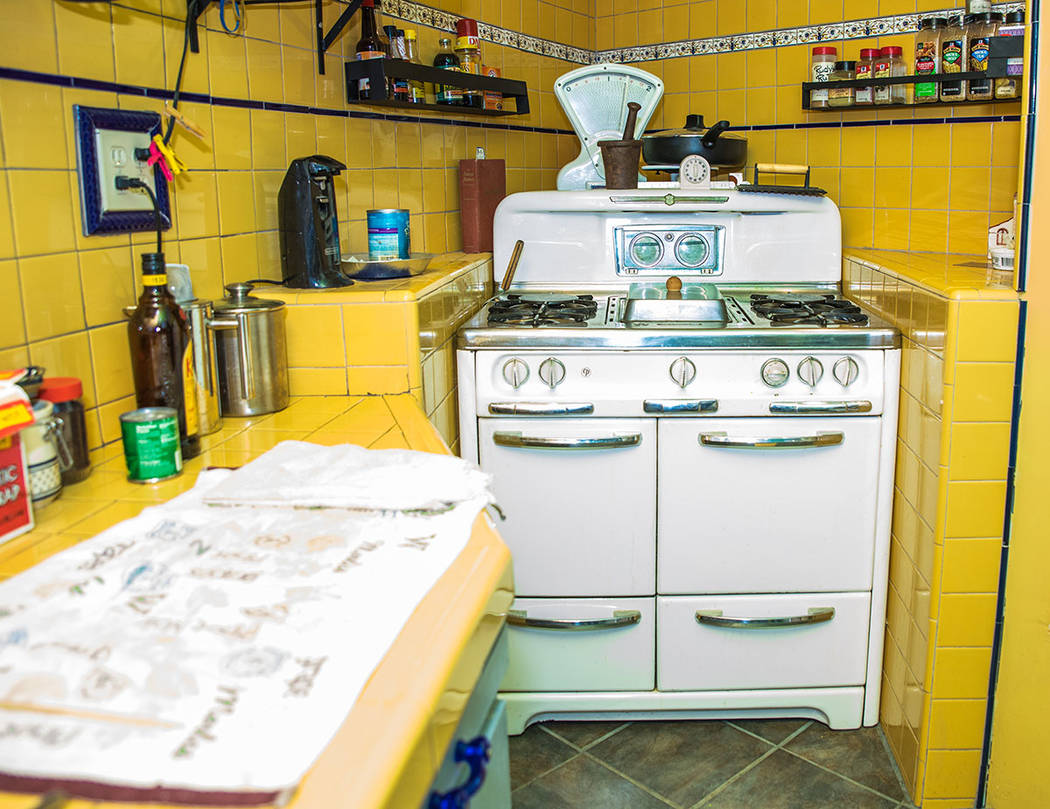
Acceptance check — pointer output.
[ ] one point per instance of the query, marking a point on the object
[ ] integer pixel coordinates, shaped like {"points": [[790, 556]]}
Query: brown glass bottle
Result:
{"points": [[369, 46], [162, 354]]}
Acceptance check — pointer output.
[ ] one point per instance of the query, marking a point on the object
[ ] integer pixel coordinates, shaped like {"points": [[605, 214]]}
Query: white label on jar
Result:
{"points": [[821, 72]]}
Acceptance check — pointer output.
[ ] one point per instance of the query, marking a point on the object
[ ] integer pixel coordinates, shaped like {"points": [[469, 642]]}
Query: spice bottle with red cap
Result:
{"points": [[866, 70], [824, 57], [64, 393], [468, 48]]}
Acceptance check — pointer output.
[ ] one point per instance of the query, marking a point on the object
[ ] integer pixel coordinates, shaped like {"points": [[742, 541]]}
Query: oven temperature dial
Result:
{"points": [[775, 373], [683, 371], [810, 371], [515, 372], [846, 371], [552, 372]]}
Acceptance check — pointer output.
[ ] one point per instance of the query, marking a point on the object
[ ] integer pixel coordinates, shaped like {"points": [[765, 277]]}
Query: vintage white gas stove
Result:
{"points": [[697, 480]]}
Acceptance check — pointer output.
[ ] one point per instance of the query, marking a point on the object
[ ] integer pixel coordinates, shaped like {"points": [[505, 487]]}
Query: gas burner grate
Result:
{"points": [[518, 310], [807, 309]]}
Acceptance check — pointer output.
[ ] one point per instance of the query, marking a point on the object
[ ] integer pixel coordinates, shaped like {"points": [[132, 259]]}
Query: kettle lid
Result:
{"points": [[239, 300]]}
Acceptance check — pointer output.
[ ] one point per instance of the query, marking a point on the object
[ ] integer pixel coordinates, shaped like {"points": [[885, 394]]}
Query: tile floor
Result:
{"points": [[739, 764]]}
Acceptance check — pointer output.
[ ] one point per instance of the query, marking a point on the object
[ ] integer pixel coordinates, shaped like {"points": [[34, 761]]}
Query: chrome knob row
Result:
{"points": [[515, 373], [552, 372], [810, 370]]}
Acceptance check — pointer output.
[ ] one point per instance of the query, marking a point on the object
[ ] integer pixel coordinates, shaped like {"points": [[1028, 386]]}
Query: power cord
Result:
{"points": [[123, 183], [191, 15]]}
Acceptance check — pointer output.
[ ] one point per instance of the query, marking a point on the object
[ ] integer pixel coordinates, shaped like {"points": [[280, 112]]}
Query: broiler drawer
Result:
{"points": [[762, 641], [598, 644]]}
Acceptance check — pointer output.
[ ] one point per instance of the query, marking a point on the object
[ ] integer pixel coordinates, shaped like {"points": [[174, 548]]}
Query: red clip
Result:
{"points": [[156, 156]]}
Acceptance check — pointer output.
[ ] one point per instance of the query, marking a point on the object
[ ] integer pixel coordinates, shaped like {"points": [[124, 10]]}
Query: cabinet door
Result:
{"points": [[783, 641], [767, 505], [580, 500]]}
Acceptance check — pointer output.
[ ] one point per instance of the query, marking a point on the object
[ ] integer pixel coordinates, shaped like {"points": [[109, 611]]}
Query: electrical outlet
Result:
{"points": [[115, 155], [106, 144]]}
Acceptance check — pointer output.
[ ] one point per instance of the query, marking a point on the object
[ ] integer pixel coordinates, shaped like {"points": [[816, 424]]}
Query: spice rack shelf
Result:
{"points": [[809, 86], [378, 71]]}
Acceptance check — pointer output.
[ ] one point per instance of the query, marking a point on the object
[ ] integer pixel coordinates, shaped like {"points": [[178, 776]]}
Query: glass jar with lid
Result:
{"points": [[954, 50], [866, 70], [980, 29], [820, 71], [890, 64], [1009, 86], [928, 58], [842, 96]]}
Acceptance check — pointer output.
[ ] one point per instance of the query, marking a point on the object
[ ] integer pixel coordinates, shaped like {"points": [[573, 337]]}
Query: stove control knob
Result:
{"points": [[515, 372], [552, 372], [775, 373], [810, 371], [683, 372], [846, 371]]}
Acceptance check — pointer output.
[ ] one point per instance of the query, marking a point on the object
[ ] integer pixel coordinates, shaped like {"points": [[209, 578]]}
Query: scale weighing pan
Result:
{"points": [[595, 99]]}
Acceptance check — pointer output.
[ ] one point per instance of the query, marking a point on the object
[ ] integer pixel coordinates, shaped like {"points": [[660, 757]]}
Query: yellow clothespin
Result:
{"points": [[176, 165], [183, 121]]}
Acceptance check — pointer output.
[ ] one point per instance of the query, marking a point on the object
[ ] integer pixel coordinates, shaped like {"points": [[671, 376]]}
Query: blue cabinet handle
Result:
{"points": [[475, 754]]}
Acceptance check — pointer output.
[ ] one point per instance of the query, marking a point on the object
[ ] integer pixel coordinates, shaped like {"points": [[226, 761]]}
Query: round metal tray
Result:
{"points": [[361, 268]]}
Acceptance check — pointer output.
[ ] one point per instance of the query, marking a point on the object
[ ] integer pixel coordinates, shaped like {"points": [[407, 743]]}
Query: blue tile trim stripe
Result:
{"points": [[245, 103]]}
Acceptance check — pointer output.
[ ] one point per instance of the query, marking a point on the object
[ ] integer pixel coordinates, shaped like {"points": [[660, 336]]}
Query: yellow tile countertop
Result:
{"points": [[390, 746], [442, 268], [952, 275]]}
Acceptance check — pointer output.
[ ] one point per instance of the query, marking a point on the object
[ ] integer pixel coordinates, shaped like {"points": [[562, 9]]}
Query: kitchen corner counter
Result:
{"points": [[955, 276], [389, 748]]}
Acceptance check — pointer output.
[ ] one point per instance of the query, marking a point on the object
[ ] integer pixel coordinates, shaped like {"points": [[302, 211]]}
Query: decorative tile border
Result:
{"points": [[411, 11]]}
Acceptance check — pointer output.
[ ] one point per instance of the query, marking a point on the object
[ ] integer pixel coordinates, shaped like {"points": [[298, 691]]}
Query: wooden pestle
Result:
{"points": [[632, 117]]}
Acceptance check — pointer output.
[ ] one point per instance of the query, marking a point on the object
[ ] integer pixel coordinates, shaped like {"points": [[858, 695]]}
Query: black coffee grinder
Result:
{"points": [[309, 224]]}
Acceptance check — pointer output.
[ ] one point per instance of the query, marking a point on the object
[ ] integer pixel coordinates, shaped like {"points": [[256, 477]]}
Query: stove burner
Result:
{"points": [[807, 309], [515, 309]]}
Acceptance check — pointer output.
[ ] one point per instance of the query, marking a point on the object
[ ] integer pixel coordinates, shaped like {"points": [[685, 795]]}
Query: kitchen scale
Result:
{"points": [[595, 99]]}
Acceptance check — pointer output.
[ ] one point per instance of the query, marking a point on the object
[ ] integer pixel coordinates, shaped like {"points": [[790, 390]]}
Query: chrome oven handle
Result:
{"points": [[793, 408], [821, 439], [680, 406], [540, 408], [618, 618], [815, 615], [558, 442]]}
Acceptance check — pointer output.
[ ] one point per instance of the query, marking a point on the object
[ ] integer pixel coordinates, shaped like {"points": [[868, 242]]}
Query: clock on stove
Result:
{"points": [[694, 172]]}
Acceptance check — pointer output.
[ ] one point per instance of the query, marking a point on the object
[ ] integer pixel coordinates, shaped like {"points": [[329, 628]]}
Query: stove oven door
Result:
{"points": [[580, 500], [764, 505]]}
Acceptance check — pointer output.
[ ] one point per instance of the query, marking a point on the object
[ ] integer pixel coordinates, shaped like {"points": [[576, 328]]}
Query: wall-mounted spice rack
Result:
{"points": [[378, 71], [809, 86]]}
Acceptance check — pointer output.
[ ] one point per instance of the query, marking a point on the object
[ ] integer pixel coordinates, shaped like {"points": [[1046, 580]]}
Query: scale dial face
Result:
{"points": [[599, 101], [695, 172]]}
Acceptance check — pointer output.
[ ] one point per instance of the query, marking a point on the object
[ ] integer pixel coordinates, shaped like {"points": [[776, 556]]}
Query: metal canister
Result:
{"points": [[205, 370], [388, 236], [151, 444]]}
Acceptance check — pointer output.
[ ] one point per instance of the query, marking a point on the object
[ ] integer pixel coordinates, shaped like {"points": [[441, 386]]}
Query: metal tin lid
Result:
{"points": [[848, 64], [1015, 16], [239, 300]]}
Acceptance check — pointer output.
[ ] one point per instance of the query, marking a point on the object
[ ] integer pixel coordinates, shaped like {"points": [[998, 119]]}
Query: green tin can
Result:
{"points": [[151, 444]]}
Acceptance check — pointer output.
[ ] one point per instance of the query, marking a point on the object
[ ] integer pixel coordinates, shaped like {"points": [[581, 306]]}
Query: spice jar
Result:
{"points": [[820, 70], [890, 64], [842, 96], [981, 28], [928, 58], [954, 48], [1009, 86], [468, 49], [46, 455], [866, 70], [64, 393]]}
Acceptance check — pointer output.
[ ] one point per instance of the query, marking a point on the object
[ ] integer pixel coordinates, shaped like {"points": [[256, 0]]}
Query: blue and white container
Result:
{"points": [[388, 236]]}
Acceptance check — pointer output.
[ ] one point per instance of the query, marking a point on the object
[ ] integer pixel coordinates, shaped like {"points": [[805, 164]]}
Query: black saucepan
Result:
{"points": [[718, 147]]}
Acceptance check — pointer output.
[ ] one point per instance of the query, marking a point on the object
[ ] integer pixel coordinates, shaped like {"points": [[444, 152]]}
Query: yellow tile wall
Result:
{"points": [[62, 291], [959, 344]]}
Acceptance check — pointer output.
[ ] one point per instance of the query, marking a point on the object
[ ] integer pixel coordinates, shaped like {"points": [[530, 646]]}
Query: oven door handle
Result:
{"points": [[618, 618], [560, 442], [540, 408], [680, 405], [793, 408], [815, 615], [821, 439]]}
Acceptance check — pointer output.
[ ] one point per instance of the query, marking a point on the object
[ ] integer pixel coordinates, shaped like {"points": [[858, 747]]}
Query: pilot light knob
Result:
{"points": [[846, 371], [515, 372], [683, 372], [775, 372], [810, 371], [552, 372]]}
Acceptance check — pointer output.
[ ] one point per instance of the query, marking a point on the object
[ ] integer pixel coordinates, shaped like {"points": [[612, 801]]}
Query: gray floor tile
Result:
{"points": [[857, 754], [533, 753], [582, 734], [774, 730], [783, 781], [584, 784], [683, 761]]}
